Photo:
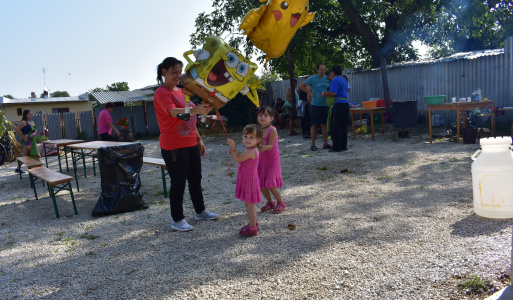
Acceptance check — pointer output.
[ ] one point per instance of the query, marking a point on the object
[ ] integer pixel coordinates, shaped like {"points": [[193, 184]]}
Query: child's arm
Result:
{"points": [[235, 154], [272, 138]]}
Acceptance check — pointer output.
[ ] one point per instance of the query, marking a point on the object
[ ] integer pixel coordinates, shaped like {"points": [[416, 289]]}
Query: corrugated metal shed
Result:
{"points": [[83, 97], [125, 96]]}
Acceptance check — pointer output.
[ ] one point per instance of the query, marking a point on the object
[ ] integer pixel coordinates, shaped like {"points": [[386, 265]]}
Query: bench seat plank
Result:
{"points": [[155, 161], [30, 162], [50, 176]]}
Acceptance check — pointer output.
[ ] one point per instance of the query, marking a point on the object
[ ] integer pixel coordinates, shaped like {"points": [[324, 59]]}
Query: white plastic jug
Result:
{"points": [[492, 178]]}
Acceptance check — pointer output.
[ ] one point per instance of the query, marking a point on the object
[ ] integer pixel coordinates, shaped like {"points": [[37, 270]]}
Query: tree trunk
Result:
{"points": [[384, 79], [291, 74]]}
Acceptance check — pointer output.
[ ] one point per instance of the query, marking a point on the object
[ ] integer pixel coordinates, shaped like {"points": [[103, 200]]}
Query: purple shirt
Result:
{"points": [[104, 119]]}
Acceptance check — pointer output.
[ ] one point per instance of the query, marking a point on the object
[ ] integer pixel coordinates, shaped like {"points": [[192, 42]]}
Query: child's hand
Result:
{"points": [[230, 143]]}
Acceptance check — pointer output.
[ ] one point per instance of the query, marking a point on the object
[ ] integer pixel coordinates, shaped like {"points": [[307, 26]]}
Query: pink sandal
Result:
{"points": [[279, 207], [268, 206], [248, 231], [257, 226]]}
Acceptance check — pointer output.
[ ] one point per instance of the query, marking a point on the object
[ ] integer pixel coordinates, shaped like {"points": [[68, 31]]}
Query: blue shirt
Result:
{"points": [[339, 87], [319, 85]]}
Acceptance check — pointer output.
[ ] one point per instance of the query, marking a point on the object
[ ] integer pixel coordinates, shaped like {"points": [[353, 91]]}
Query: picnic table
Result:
{"points": [[56, 145], [460, 108], [370, 111], [80, 151]]}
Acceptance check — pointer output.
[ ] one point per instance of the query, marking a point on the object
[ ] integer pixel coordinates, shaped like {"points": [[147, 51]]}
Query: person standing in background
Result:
{"points": [[291, 107], [105, 126], [319, 112], [305, 108], [340, 109]]}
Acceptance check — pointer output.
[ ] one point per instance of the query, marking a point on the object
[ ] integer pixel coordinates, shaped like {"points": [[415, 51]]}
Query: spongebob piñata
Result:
{"points": [[272, 26], [219, 74]]}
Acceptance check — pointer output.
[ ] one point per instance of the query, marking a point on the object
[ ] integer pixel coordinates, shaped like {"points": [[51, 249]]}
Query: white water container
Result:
{"points": [[492, 178]]}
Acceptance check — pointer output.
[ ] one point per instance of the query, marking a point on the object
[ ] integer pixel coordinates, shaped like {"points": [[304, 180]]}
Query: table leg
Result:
{"points": [[382, 124], [83, 162], [46, 156], [164, 181], [352, 123], [52, 194], [458, 118], [430, 133], [372, 124], [492, 117], [66, 154], [73, 159]]}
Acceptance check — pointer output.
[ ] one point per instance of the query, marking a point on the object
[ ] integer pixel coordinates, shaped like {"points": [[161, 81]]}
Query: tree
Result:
{"points": [[463, 26], [8, 96], [118, 87], [60, 94], [357, 33]]}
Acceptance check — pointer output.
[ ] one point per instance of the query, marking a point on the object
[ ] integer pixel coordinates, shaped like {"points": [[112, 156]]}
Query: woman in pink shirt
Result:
{"points": [[105, 125]]}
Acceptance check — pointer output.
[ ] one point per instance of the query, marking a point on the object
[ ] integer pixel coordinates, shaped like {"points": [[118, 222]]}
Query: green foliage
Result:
{"points": [[354, 33], [8, 96], [60, 94], [475, 285], [118, 87]]}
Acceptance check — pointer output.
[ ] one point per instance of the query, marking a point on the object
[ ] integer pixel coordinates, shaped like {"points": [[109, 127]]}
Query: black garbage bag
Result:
{"points": [[120, 168]]}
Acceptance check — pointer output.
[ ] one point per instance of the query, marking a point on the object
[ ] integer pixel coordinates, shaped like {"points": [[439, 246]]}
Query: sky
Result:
{"points": [[84, 45]]}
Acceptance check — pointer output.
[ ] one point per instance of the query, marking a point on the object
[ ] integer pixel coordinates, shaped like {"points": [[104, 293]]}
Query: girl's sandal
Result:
{"points": [[279, 207], [268, 206], [248, 231]]}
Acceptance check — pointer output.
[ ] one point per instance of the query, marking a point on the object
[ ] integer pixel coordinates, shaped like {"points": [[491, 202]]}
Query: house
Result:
{"points": [[13, 108]]}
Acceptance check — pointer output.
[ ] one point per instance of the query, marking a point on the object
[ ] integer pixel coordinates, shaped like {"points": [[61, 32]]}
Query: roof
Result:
{"points": [[453, 57], [125, 96], [83, 97]]}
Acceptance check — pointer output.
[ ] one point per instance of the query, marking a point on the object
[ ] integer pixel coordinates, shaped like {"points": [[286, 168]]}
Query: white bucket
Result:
{"points": [[492, 178]]}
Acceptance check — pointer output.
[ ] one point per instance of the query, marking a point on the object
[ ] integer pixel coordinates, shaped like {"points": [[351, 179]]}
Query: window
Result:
{"points": [[19, 111], [60, 110]]}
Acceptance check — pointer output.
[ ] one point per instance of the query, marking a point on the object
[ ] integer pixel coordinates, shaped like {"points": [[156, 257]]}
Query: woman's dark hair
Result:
{"points": [[347, 79], [109, 105], [337, 70], [167, 63], [266, 110], [24, 115]]}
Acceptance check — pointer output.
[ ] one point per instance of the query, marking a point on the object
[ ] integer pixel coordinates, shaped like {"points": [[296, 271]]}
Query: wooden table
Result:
{"points": [[459, 108], [370, 111], [81, 150], [52, 145]]}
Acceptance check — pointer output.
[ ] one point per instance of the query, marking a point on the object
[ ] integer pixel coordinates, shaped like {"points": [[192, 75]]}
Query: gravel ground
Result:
{"points": [[399, 224]]}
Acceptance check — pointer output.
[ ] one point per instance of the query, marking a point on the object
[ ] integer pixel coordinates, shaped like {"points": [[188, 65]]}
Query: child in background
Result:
{"points": [[269, 168], [248, 187]]}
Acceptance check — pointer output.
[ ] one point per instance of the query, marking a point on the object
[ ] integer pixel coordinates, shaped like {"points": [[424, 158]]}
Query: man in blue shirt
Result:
{"points": [[340, 110], [319, 115]]}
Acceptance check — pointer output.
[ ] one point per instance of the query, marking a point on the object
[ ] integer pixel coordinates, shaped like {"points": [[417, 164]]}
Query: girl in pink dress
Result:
{"points": [[269, 168], [248, 186]]}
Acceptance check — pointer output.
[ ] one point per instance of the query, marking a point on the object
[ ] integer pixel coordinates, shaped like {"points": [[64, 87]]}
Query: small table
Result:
{"points": [[460, 108], [56, 145], [370, 111], [82, 150]]}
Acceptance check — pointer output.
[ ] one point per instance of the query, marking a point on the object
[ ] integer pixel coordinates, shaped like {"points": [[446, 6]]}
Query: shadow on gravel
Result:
{"points": [[475, 225]]}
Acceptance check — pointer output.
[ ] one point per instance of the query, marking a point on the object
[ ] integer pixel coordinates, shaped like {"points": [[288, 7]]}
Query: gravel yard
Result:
{"points": [[397, 224]]}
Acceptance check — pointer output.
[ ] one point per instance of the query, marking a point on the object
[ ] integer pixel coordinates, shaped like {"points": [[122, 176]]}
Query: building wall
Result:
{"points": [[10, 109]]}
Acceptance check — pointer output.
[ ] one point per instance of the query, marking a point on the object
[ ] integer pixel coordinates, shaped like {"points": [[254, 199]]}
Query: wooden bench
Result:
{"points": [[56, 182], [29, 162], [159, 162]]}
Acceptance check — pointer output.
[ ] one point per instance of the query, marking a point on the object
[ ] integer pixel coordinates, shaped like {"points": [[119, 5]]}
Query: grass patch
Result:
{"points": [[474, 285], [323, 168], [162, 203], [228, 202], [89, 236], [89, 227]]}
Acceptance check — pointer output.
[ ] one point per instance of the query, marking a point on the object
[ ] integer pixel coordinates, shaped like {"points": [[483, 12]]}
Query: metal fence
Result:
{"points": [[491, 71]]}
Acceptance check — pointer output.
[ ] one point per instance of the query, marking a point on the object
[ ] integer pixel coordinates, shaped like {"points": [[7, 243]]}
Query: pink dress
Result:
{"points": [[248, 188], [269, 167]]}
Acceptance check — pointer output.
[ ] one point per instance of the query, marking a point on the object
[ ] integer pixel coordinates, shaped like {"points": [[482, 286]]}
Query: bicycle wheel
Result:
{"points": [[3, 154]]}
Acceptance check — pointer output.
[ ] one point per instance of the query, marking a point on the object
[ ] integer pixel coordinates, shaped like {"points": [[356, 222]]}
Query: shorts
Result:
{"points": [[319, 115]]}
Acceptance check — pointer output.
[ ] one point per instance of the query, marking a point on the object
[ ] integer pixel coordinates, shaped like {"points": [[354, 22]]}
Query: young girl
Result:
{"points": [[269, 168], [26, 130], [248, 187]]}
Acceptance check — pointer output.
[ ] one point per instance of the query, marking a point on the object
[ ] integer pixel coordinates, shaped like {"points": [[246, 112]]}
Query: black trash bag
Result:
{"points": [[120, 168]]}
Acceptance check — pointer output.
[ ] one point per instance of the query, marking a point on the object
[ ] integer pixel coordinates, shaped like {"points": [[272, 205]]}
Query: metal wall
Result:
{"points": [[493, 74], [153, 126], [87, 130]]}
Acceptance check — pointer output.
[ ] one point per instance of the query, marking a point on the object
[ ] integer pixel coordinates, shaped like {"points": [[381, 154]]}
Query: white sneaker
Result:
{"points": [[206, 215], [181, 225]]}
